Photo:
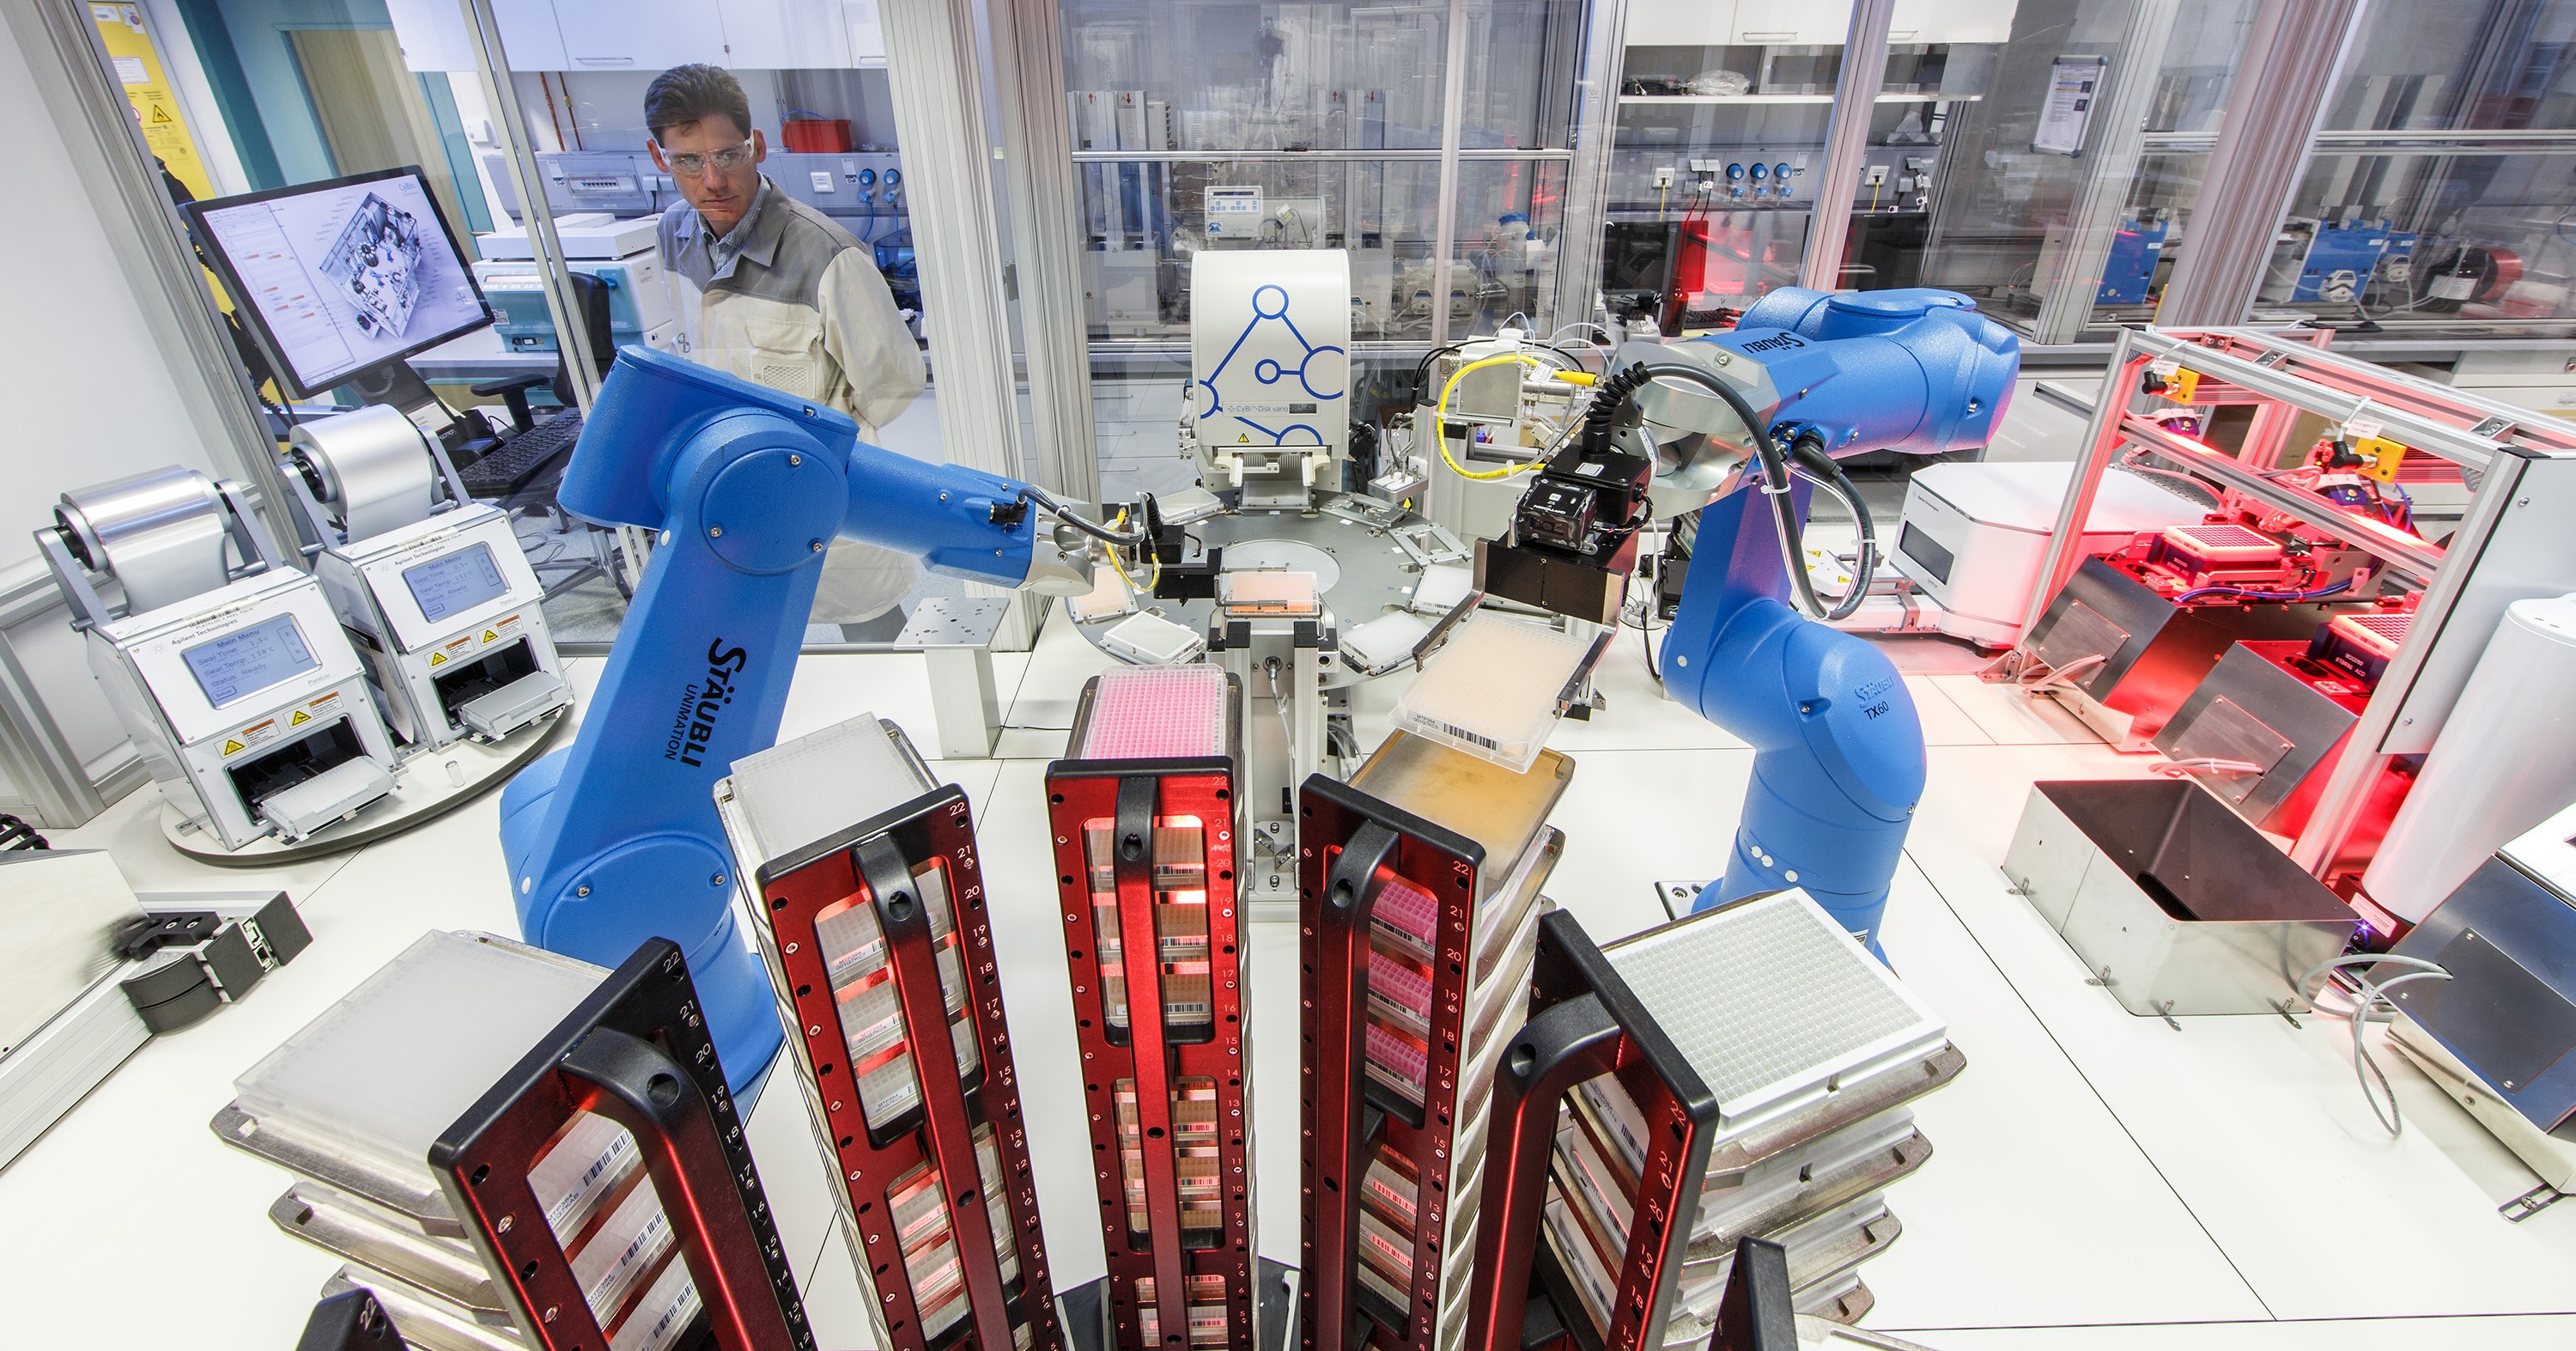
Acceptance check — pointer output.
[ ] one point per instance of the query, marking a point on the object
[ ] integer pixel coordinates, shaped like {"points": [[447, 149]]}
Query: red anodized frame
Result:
{"points": [[874, 864], [1136, 795]]}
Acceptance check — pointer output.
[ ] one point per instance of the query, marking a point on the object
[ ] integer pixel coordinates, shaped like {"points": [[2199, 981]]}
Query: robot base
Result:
{"points": [[427, 786]]}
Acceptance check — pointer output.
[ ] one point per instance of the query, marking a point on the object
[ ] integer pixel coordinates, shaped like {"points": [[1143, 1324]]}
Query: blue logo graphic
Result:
{"points": [[1269, 304]]}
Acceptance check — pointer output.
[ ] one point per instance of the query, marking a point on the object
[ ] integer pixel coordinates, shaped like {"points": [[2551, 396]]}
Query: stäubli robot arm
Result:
{"points": [[1838, 764], [615, 839]]}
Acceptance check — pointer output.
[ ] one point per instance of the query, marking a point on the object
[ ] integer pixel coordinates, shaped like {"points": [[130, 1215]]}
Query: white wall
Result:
{"points": [[89, 396]]}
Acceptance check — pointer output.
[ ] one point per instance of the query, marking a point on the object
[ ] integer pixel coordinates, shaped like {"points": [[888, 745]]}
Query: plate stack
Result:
{"points": [[1443, 959], [353, 1104], [1813, 1051]]}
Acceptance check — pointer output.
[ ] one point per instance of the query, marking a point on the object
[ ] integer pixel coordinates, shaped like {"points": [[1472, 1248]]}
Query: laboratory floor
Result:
{"points": [[2099, 1182]]}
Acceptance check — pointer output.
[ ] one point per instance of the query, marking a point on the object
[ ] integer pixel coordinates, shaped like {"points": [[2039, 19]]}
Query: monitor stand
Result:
{"points": [[396, 383]]}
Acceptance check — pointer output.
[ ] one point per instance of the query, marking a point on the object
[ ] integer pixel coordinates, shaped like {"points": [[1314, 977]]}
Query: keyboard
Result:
{"points": [[522, 457]]}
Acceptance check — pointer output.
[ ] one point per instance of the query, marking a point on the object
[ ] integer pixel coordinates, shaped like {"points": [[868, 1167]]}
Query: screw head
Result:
{"points": [[717, 880], [814, 546], [582, 890], [715, 531], [796, 461]]}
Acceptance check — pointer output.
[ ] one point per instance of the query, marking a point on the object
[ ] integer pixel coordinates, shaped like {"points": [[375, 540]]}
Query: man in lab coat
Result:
{"points": [[769, 289]]}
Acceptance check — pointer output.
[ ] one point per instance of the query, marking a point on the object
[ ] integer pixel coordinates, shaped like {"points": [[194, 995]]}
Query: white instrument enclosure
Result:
{"points": [[189, 743], [1270, 340], [365, 582]]}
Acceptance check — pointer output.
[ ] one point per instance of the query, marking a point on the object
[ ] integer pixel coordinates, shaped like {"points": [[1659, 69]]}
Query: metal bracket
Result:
{"points": [[2530, 1203]]}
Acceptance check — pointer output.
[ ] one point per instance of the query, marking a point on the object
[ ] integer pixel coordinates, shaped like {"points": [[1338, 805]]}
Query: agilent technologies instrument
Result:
{"points": [[226, 665], [431, 584]]}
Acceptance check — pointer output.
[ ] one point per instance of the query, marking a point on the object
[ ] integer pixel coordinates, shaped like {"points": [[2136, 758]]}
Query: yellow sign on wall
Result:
{"points": [[156, 104]]}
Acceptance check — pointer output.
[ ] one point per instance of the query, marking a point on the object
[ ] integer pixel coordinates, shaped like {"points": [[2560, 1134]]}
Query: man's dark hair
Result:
{"points": [[697, 90]]}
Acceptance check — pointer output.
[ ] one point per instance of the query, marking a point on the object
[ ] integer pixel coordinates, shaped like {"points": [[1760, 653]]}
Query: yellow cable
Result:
{"points": [[1440, 419], [1153, 579]]}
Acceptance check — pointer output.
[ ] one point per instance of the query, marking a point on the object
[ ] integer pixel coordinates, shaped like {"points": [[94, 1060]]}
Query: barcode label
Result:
{"points": [[1463, 734]]}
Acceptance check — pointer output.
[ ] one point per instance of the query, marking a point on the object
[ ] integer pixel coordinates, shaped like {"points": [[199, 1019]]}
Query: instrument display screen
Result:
{"points": [[455, 583], [246, 661]]}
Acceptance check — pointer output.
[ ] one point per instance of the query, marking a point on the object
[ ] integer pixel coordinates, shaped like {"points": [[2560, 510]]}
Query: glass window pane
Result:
{"points": [[2052, 243], [2447, 237], [2417, 65]]}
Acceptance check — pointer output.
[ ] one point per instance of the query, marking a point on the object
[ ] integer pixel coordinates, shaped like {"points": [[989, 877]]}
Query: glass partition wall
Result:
{"points": [[1436, 142], [308, 90], [1724, 115], [2439, 190], [2064, 197]]}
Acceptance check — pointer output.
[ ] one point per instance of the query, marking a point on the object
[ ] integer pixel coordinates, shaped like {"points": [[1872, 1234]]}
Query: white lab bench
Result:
{"points": [[2099, 1182]]}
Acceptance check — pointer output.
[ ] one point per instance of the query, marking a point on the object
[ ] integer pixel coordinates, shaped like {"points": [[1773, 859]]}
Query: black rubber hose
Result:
{"points": [[1775, 473], [1810, 453], [1610, 398]]}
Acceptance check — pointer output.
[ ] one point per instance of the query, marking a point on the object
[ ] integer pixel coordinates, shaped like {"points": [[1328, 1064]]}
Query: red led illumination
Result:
{"points": [[883, 932], [1145, 868]]}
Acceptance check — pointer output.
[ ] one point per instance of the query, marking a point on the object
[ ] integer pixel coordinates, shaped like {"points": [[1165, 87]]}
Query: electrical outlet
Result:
{"points": [[1873, 176], [1663, 176]]}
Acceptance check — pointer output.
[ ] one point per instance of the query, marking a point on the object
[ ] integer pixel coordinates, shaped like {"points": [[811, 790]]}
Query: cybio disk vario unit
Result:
{"points": [[225, 665], [431, 585]]}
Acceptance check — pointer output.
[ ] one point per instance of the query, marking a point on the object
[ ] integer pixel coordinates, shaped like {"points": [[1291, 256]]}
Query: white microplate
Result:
{"points": [[1109, 598], [1772, 1003], [1443, 585], [803, 791], [390, 1067], [1268, 591], [1385, 640], [1154, 640], [1492, 689]]}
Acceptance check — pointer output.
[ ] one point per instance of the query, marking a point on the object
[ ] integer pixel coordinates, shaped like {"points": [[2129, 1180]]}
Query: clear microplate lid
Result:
{"points": [[1495, 689], [358, 1096], [1268, 591], [1382, 642], [803, 791], [1441, 587], [1152, 639]]}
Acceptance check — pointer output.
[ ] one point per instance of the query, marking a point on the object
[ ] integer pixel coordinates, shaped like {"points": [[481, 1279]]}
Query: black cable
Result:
{"points": [[1422, 368], [1775, 475], [1809, 450]]}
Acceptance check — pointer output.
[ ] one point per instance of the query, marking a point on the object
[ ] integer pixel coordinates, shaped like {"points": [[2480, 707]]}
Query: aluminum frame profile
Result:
{"points": [[1361, 1135], [1155, 1051], [635, 1051], [876, 867], [2522, 465]]}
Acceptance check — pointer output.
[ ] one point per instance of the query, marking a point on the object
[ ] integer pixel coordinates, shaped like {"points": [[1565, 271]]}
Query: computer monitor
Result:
{"points": [[340, 279]]}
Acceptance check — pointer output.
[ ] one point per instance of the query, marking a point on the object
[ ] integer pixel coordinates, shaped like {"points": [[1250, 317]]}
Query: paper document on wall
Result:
{"points": [[2074, 82]]}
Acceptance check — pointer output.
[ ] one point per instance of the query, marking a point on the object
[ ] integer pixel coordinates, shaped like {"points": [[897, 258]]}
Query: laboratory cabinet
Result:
{"points": [[647, 35], [1762, 23]]}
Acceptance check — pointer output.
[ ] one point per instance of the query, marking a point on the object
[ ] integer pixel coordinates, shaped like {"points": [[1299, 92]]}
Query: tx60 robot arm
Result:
{"points": [[1726, 421], [615, 839]]}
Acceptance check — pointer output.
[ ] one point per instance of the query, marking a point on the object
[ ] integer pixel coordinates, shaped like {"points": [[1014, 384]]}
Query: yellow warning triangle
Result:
{"points": [[231, 747], [490, 637], [437, 658], [301, 717], [1242, 439], [159, 117]]}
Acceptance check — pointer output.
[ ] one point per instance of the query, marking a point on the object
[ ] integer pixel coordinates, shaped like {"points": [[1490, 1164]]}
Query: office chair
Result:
{"points": [[592, 295]]}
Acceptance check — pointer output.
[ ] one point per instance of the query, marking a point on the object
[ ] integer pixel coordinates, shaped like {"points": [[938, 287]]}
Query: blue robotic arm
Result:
{"points": [[1838, 760], [615, 839], [1838, 764]]}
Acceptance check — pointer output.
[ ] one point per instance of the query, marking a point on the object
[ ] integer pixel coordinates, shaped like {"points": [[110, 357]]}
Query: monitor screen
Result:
{"points": [[455, 583], [337, 277], [246, 661]]}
